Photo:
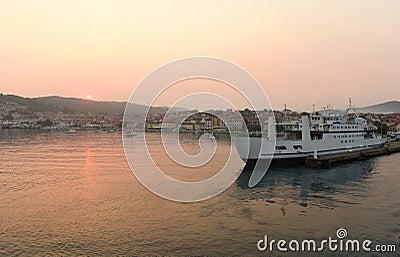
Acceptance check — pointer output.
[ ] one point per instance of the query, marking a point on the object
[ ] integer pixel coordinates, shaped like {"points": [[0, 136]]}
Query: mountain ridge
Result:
{"points": [[73, 104], [77, 105], [392, 106]]}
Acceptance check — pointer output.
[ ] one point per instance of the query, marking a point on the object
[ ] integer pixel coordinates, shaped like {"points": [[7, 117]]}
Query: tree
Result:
{"points": [[8, 117], [45, 123], [382, 128]]}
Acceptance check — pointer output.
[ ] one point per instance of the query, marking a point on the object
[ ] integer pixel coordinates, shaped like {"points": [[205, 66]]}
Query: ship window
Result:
{"points": [[297, 147], [341, 141], [280, 147]]}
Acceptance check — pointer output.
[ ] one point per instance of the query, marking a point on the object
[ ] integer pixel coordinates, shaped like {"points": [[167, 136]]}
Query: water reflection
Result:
{"points": [[325, 188], [88, 172]]}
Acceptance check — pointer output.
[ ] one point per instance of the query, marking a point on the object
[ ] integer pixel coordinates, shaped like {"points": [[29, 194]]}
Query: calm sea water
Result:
{"points": [[75, 195]]}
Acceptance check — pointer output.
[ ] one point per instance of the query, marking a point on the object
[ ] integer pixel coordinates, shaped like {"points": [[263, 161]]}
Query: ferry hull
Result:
{"points": [[297, 159], [288, 162]]}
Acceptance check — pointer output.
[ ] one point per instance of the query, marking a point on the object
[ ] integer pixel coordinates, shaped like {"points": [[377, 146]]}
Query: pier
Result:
{"points": [[329, 160]]}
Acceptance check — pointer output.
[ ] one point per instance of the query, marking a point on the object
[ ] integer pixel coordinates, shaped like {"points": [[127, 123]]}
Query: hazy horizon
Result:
{"points": [[302, 53], [189, 108]]}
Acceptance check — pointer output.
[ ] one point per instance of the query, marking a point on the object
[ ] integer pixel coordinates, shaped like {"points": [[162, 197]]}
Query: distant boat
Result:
{"points": [[71, 132], [211, 137], [130, 134], [111, 131]]}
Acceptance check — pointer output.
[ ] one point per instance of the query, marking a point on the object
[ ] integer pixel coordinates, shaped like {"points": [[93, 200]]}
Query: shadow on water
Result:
{"points": [[326, 188]]}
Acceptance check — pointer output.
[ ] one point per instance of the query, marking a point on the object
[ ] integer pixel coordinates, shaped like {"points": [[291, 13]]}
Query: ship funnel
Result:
{"points": [[305, 130], [271, 128]]}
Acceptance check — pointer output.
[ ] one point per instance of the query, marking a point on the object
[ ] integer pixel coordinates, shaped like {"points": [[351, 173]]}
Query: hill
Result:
{"points": [[70, 104], [73, 105], [387, 107], [30, 103]]}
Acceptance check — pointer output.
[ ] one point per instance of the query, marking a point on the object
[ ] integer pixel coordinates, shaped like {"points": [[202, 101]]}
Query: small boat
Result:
{"points": [[70, 132], [111, 131], [130, 134], [211, 137]]}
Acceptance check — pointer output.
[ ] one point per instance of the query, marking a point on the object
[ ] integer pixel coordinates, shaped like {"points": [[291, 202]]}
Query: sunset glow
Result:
{"points": [[301, 52]]}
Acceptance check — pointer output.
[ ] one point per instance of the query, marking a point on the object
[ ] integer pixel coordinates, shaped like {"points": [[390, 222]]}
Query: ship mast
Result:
{"points": [[285, 114], [352, 108]]}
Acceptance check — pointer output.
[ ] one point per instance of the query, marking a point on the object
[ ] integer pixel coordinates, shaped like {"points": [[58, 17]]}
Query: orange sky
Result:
{"points": [[302, 52]]}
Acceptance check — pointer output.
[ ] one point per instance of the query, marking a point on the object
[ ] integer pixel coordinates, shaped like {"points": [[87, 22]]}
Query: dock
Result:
{"points": [[329, 160]]}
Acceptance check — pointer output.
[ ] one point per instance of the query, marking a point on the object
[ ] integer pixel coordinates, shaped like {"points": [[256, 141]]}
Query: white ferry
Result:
{"points": [[325, 132]]}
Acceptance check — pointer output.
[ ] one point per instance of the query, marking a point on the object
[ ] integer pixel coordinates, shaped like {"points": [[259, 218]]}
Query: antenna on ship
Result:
{"points": [[313, 107], [352, 108], [285, 113]]}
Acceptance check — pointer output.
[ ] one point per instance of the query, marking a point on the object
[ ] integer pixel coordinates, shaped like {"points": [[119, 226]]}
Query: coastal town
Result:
{"points": [[16, 116]]}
